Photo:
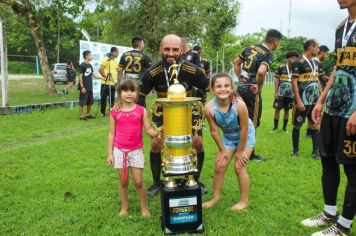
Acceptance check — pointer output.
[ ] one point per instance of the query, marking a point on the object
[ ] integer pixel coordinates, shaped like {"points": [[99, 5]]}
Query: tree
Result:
{"points": [[152, 19], [28, 11], [25, 9]]}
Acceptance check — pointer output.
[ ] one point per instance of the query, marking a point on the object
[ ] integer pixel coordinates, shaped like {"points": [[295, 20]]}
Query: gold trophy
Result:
{"points": [[178, 155]]}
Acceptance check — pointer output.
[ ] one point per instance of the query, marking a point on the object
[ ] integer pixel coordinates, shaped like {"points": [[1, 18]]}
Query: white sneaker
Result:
{"points": [[331, 231], [318, 220]]}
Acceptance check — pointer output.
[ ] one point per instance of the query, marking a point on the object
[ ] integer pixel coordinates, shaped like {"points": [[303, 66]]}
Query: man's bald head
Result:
{"points": [[171, 48], [171, 39]]}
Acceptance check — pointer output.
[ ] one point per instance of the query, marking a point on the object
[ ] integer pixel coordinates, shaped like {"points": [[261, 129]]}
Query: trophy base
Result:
{"points": [[181, 210]]}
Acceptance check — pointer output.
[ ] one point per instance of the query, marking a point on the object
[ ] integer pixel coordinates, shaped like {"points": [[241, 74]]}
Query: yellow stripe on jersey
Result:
{"points": [[284, 77], [307, 77], [189, 68], [159, 68], [156, 71], [349, 58]]}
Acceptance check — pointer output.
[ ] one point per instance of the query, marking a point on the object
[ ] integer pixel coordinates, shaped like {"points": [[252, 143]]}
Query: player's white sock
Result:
{"points": [[331, 210], [344, 222]]}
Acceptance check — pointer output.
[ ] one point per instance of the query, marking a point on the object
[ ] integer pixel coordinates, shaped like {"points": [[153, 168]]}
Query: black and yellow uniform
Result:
{"points": [[252, 58], [341, 102], [321, 73], [285, 93], [205, 66], [192, 57], [306, 72], [134, 63], [336, 147]]}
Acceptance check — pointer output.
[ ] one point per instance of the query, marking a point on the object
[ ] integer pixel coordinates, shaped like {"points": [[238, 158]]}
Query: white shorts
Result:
{"points": [[135, 158]]}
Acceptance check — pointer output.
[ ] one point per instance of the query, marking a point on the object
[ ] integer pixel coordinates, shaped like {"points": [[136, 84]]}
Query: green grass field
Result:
{"points": [[54, 181], [32, 91]]}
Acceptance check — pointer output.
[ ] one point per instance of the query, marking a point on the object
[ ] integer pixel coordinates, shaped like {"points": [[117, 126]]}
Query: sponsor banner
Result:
{"points": [[99, 51]]}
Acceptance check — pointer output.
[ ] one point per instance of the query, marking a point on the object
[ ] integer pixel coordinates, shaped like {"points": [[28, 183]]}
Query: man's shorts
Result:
{"points": [[299, 116], [334, 142], [135, 158], [86, 99], [253, 103], [283, 103], [158, 120]]}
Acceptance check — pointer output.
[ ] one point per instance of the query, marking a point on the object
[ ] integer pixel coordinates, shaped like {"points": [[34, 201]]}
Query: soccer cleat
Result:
{"points": [[102, 115], [333, 230], [204, 190], [315, 155], [307, 135], [154, 189], [274, 130], [285, 131], [319, 220], [257, 158], [90, 117], [295, 153], [83, 118]]}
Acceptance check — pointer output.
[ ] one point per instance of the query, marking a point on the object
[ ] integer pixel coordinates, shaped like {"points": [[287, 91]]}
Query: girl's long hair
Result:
{"points": [[127, 84]]}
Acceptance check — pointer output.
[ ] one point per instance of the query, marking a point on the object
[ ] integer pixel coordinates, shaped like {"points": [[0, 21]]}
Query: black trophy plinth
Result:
{"points": [[181, 209]]}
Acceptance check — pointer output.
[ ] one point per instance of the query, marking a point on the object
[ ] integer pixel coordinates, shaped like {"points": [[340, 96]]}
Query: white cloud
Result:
{"points": [[316, 19]]}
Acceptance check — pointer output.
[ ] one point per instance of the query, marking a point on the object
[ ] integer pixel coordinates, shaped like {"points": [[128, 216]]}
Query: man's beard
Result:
{"points": [[165, 59]]}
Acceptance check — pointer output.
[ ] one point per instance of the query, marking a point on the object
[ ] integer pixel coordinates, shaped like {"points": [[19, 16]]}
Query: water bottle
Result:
{"points": [[71, 105]]}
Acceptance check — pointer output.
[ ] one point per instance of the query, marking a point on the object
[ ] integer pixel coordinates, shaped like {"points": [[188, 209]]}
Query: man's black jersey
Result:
{"points": [[192, 57], [307, 79], [285, 85], [341, 99], [205, 66], [158, 76], [134, 62], [321, 72], [252, 58]]}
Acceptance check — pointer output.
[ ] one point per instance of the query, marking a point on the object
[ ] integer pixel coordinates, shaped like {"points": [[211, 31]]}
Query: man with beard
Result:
{"points": [[338, 131], [157, 77], [306, 89]]}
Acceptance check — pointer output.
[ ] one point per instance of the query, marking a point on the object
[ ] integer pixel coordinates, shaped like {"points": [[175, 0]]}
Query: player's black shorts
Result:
{"points": [[334, 142], [86, 99], [253, 103], [158, 120], [283, 103], [299, 116]]}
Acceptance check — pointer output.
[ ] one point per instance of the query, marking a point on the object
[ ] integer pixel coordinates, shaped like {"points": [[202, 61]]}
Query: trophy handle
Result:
{"points": [[198, 122], [154, 112]]}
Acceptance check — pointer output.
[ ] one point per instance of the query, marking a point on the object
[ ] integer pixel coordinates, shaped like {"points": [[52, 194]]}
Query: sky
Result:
{"points": [[315, 19]]}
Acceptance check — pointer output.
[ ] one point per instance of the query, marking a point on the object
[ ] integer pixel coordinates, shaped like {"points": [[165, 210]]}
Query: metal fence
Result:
{"points": [[24, 60]]}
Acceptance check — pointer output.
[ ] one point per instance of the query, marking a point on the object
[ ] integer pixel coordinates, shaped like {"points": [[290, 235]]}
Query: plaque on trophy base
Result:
{"points": [[181, 209]]}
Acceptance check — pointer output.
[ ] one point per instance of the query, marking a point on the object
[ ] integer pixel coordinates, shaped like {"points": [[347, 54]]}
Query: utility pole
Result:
{"points": [[3, 63], [289, 17]]}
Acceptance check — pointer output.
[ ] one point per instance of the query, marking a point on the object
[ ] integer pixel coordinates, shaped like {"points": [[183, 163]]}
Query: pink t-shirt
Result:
{"points": [[128, 128]]}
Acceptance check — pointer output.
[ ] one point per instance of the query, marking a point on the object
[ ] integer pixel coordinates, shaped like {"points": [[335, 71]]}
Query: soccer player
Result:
{"points": [[108, 70], [157, 77], [204, 63], [306, 89], [338, 131], [134, 62], [255, 61], [283, 91], [188, 54], [323, 78]]}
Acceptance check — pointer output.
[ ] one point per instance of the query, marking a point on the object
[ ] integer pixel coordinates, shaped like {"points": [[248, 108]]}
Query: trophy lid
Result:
{"points": [[176, 92]]}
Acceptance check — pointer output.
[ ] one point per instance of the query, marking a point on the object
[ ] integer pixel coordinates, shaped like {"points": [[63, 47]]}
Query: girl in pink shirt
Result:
{"points": [[125, 143]]}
